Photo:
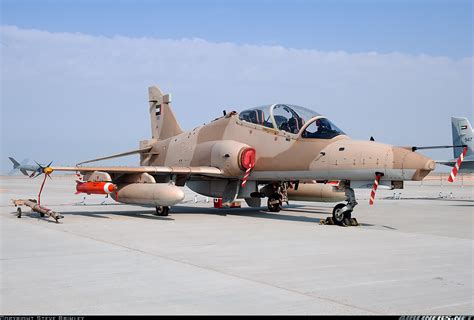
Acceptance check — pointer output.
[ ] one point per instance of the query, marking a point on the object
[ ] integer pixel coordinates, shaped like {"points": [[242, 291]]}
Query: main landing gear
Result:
{"points": [[274, 203], [342, 213], [277, 197], [162, 211]]}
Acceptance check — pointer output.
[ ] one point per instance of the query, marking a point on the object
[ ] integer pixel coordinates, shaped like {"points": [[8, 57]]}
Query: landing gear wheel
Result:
{"points": [[18, 210], [274, 203], [347, 221], [162, 211], [42, 215], [339, 217]]}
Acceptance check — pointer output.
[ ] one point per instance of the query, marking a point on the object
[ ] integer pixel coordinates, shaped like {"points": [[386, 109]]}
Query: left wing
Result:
{"points": [[201, 171]]}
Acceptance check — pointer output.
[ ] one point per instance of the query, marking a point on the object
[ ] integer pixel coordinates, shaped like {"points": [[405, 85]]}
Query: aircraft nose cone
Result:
{"points": [[430, 165], [413, 160], [421, 165]]}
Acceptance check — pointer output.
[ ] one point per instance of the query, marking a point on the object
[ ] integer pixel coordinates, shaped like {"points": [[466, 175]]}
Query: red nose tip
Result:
{"points": [[112, 187]]}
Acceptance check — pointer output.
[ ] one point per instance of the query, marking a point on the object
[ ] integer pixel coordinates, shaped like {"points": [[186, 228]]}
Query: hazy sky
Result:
{"points": [[74, 75]]}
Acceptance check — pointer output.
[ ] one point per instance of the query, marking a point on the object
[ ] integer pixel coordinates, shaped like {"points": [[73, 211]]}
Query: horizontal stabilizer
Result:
{"points": [[446, 162]]}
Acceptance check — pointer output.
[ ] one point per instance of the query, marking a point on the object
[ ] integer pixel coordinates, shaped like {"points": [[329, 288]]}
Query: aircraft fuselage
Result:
{"points": [[284, 156]]}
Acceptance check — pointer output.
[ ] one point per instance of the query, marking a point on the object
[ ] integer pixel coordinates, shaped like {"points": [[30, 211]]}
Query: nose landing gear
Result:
{"points": [[342, 213], [338, 215]]}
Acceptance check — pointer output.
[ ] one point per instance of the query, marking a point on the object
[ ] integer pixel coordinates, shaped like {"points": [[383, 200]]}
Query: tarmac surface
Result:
{"points": [[412, 255]]}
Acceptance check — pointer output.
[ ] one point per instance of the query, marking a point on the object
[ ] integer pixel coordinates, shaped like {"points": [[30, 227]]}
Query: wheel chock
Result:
{"points": [[329, 221], [352, 222]]}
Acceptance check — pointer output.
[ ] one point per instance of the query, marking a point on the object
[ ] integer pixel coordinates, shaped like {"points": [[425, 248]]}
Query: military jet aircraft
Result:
{"points": [[262, 152]]}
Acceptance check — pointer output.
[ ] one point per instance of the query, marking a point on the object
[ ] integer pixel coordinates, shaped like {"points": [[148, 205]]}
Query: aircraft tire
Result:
{"points": [[342, 219], [346, 222], [274, 207], [162, 211]]}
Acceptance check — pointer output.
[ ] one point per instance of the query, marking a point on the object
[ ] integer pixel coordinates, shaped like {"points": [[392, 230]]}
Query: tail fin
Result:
{"points": [[462, 135], [163, 120], [15, 163]]}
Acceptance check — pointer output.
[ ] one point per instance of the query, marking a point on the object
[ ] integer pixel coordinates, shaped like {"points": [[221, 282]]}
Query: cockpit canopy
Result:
{"points": [[290, 118]]}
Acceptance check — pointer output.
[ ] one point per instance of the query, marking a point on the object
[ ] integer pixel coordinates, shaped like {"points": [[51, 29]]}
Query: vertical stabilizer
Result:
{"points": [[163, 121], [462, 135]]}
